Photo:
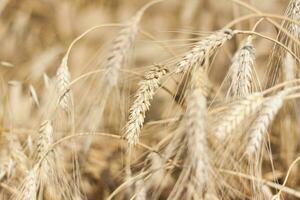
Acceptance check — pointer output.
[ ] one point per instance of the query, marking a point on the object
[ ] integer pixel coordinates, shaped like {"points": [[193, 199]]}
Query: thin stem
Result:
{"points": [[66, 138], [269, 183], [278, 26], [260, 15], [85, 33], [268, 38]]}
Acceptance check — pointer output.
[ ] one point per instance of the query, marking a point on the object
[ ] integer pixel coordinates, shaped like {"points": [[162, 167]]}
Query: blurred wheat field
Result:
{"points": [[149, 99]]}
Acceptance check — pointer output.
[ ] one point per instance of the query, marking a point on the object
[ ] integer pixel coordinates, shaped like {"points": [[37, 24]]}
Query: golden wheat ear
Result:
{"points": [[277, 65], [142, 102], [63, 78], [121, 47], [203, 49], [241, 71], [195, 179], [29, 187], [260, 125], [238, 112]]}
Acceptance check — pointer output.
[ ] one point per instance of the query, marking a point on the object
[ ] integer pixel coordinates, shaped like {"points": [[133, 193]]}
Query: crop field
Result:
{"points": [[149, 99]]}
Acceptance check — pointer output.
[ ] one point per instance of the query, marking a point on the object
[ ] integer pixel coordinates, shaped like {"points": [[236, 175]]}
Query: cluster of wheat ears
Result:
{"points": [[215, 141]]}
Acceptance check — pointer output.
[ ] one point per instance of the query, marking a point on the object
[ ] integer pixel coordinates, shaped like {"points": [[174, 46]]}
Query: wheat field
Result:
{"points": [[149, 99]]}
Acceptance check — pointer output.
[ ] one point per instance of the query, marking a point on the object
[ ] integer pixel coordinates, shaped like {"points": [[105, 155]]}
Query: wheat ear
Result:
{"points": [[260, 126], [278, 54], [242, 109], [293, 12], [203, 49], [241, 70], [122, 45], [45, 138], [141, 104], [195, 177], [196, 119], [63, 78], [29, 187]]}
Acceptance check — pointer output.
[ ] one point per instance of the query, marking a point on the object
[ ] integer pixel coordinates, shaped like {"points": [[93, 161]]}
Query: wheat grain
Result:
{"points": [[203, 49], [144, 95]]}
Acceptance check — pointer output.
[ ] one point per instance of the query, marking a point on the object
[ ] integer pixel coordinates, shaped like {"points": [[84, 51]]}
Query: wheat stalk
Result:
{"points": [[241, 70], [203, 49], [141, 104]]}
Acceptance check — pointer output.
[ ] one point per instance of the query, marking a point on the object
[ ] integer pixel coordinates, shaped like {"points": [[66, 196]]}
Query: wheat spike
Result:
{"points": [[195, 178], [7, 168], [63, 78], [278, 54], [260, 126], [16, 151], [203, 49], [196, 116], [141, 104], [293, 12], [29, 187], [237, 113], [121, 46], [45, 138], [241, 70]]}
